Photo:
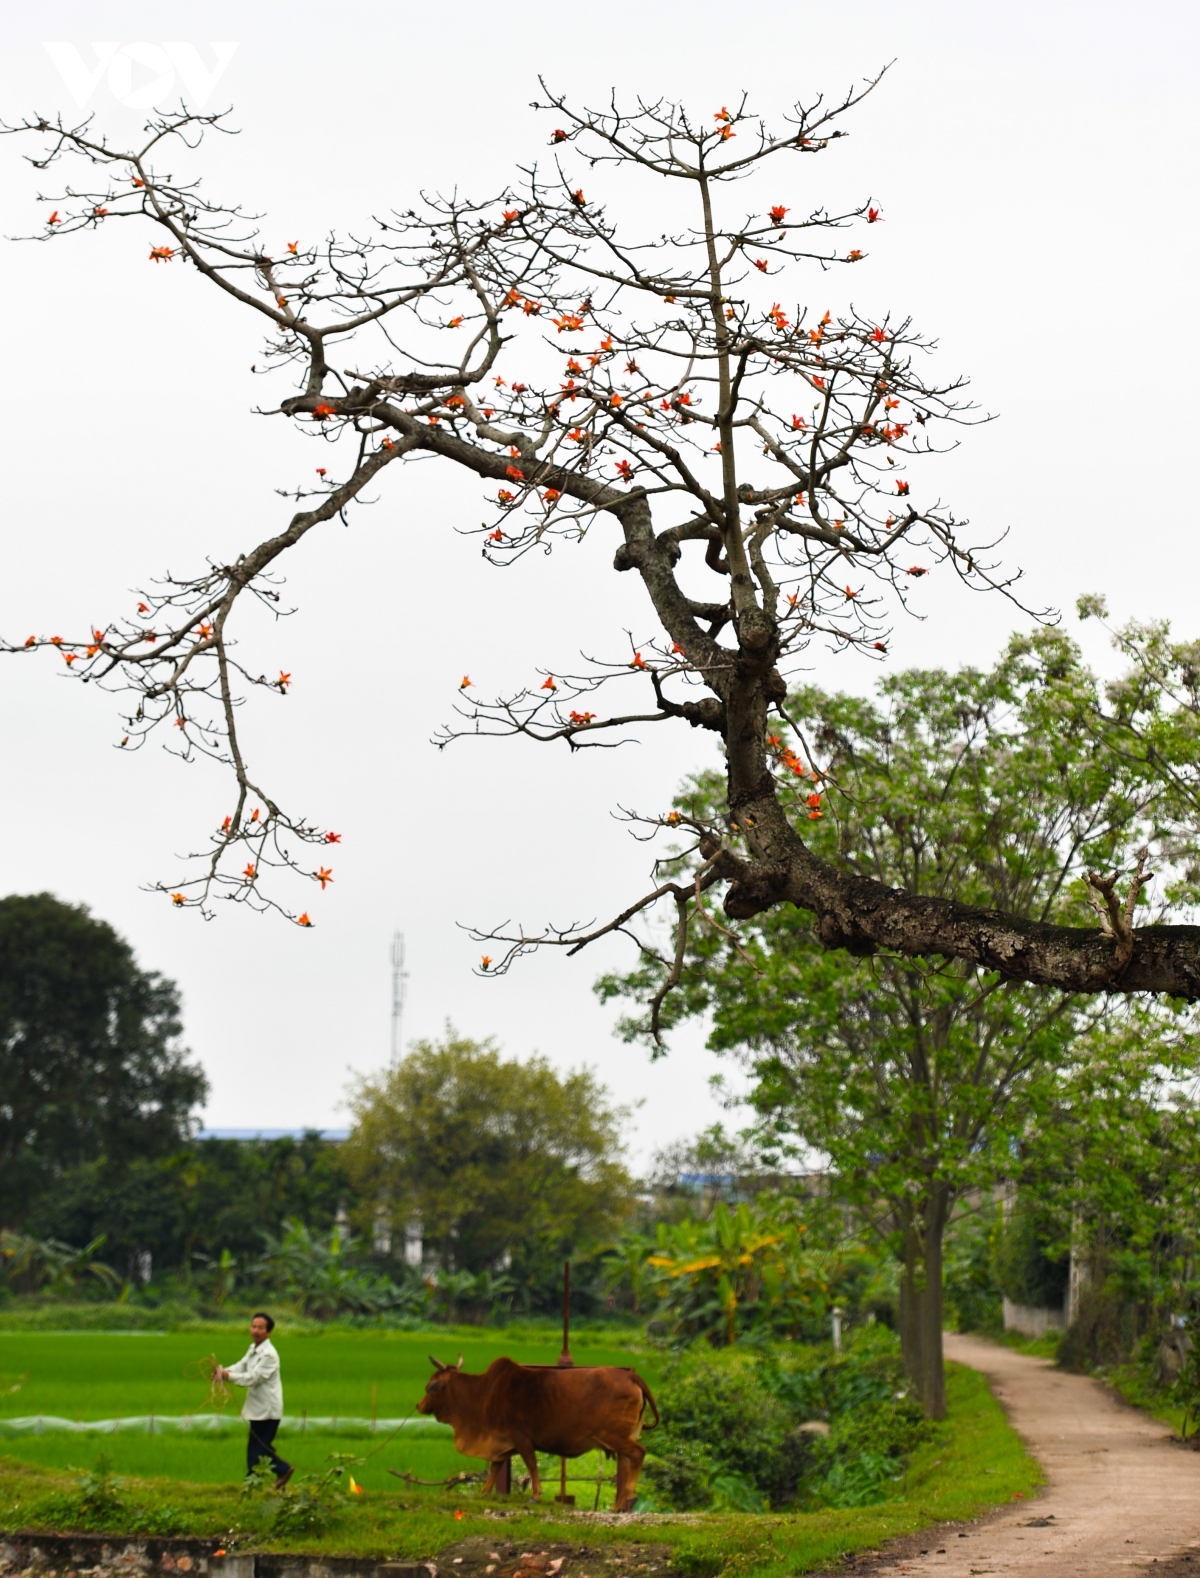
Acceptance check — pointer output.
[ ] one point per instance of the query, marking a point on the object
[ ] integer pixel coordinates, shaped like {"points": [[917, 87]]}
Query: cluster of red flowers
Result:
{"points": [[786, 757]]}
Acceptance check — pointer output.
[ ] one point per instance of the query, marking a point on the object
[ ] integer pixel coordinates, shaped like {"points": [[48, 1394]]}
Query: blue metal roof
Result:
{"points": [[335, 1135]]}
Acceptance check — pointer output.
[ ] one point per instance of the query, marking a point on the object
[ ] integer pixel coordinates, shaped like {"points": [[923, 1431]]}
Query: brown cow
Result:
{"points": [[532, 1408]]}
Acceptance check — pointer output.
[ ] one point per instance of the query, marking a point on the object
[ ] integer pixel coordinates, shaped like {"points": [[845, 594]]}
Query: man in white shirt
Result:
{"points": [[258, 1372]]}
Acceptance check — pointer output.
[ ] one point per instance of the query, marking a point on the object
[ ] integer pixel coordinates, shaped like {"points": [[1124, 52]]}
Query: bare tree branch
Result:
{"points": [[758, 464]]}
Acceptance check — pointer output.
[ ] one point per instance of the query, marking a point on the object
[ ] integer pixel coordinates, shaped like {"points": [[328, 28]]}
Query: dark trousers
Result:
{"points": [[261, 1444]]}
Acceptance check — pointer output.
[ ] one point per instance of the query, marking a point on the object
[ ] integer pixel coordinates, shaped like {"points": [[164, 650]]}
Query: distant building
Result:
{"points": [[334, 1136]]}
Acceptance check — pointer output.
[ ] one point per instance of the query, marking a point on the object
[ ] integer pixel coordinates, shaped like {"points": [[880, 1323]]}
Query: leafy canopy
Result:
{"points": [[984, 787], [91, 1065], [495, 1158]]}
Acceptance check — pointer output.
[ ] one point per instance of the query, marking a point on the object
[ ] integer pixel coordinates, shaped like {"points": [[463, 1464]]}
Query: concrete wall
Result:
{"points": [[1031, 1321], [110, 1556]]}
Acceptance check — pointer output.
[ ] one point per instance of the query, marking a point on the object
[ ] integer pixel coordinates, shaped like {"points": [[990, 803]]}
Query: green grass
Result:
{"points": [[1044, 1347], [1134, 1383], [222, 1459], [328, 1372], [975, 1462]]}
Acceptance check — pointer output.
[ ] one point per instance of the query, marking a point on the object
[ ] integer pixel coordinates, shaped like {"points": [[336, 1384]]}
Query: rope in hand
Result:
{"points": [[209, 1369]]}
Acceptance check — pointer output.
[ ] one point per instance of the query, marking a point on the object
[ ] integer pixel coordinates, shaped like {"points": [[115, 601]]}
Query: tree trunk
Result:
{"points": [[911, 1330], [921, 1303]]}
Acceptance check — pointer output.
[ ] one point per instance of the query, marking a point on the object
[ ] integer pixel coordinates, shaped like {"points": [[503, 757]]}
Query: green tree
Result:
{"points": [[496, 1158], [1111, 1179], [918, 1076], [205, 1199], [91, 1063]]}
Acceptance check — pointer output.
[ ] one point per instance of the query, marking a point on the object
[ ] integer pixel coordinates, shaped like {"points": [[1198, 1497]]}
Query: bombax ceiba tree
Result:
{"points": [[761, 466]]}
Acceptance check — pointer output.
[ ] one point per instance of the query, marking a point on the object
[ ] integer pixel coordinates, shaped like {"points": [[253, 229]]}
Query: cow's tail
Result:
{"points": [[647, 1397]]}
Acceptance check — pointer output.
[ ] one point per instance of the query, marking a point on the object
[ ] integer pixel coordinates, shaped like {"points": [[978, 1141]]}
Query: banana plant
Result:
{"points": [[724, 1261], [48, 1263]]}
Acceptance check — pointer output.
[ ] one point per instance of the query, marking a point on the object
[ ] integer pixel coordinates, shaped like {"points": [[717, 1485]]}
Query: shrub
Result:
{"points": [[727, 1410], [310, 1504], [1026, 1272], [1103, 1332], [732, 1436], [680, 1476], [972, 1297]]}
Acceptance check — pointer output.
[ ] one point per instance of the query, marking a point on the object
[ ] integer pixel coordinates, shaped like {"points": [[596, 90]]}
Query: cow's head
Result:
{"points": [[438, 1385]]}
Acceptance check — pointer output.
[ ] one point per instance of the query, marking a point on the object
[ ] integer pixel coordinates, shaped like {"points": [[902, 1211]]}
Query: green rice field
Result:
{"points": [[330, 1375]]}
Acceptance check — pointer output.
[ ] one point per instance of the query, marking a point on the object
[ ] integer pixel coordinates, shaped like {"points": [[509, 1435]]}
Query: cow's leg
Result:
{"points": [[497, 1477], [630, 1457], [529, 1455]]}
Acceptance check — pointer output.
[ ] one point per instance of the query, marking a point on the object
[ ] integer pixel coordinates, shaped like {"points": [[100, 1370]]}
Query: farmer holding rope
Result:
{"points": [[258, 1372]]}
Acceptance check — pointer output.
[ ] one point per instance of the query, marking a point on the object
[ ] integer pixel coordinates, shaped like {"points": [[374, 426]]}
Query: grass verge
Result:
{"points": [[1044, 1347], [975, 1462], [1132, 1383]]}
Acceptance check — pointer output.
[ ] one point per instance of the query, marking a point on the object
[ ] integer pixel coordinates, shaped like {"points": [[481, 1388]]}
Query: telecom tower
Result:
{"points": [[399, 977], [414, 1230]]}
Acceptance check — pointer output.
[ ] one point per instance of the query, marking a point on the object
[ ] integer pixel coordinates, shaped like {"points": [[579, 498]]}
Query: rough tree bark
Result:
{"points": [[921, 1301]]}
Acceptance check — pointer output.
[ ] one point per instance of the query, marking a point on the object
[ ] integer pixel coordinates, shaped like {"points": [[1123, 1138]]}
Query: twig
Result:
{"points": [[1116, 919]]}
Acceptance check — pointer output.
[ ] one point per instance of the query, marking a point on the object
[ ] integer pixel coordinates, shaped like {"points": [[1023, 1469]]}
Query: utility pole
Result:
{"points": [[399, 977]]}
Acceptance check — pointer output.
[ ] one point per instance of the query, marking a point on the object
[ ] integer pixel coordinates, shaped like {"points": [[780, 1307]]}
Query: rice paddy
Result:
{"points": [[358, 1384]]}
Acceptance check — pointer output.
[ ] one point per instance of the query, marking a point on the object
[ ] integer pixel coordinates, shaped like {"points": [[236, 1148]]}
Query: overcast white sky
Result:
{"points": [[1037, 166]]}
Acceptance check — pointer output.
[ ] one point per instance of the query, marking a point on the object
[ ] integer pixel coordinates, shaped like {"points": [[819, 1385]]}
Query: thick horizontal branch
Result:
{"points": [[862, 915]]}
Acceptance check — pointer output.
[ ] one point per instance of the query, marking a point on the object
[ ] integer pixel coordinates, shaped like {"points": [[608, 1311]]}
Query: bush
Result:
{"points": [[728, 1411], [309, 1505], [732, 1431], [1025, 1272], [1103, 1332], [100, 1492], [972, 1297], [680, 1475]]}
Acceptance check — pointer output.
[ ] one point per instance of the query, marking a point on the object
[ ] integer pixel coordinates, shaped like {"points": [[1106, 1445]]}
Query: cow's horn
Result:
{"points": [[458, 1366], [437, 1363]]}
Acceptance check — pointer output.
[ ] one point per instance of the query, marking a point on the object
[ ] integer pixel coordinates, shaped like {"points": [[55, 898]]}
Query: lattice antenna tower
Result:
{"points": [[399, 979]]}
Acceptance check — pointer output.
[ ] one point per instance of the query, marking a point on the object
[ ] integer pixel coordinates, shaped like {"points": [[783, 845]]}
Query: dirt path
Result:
{"points": [[1120, 1496]]}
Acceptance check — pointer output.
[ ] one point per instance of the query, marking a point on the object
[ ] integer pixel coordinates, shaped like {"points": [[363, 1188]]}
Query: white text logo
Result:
{"points": [[141, 76]]}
